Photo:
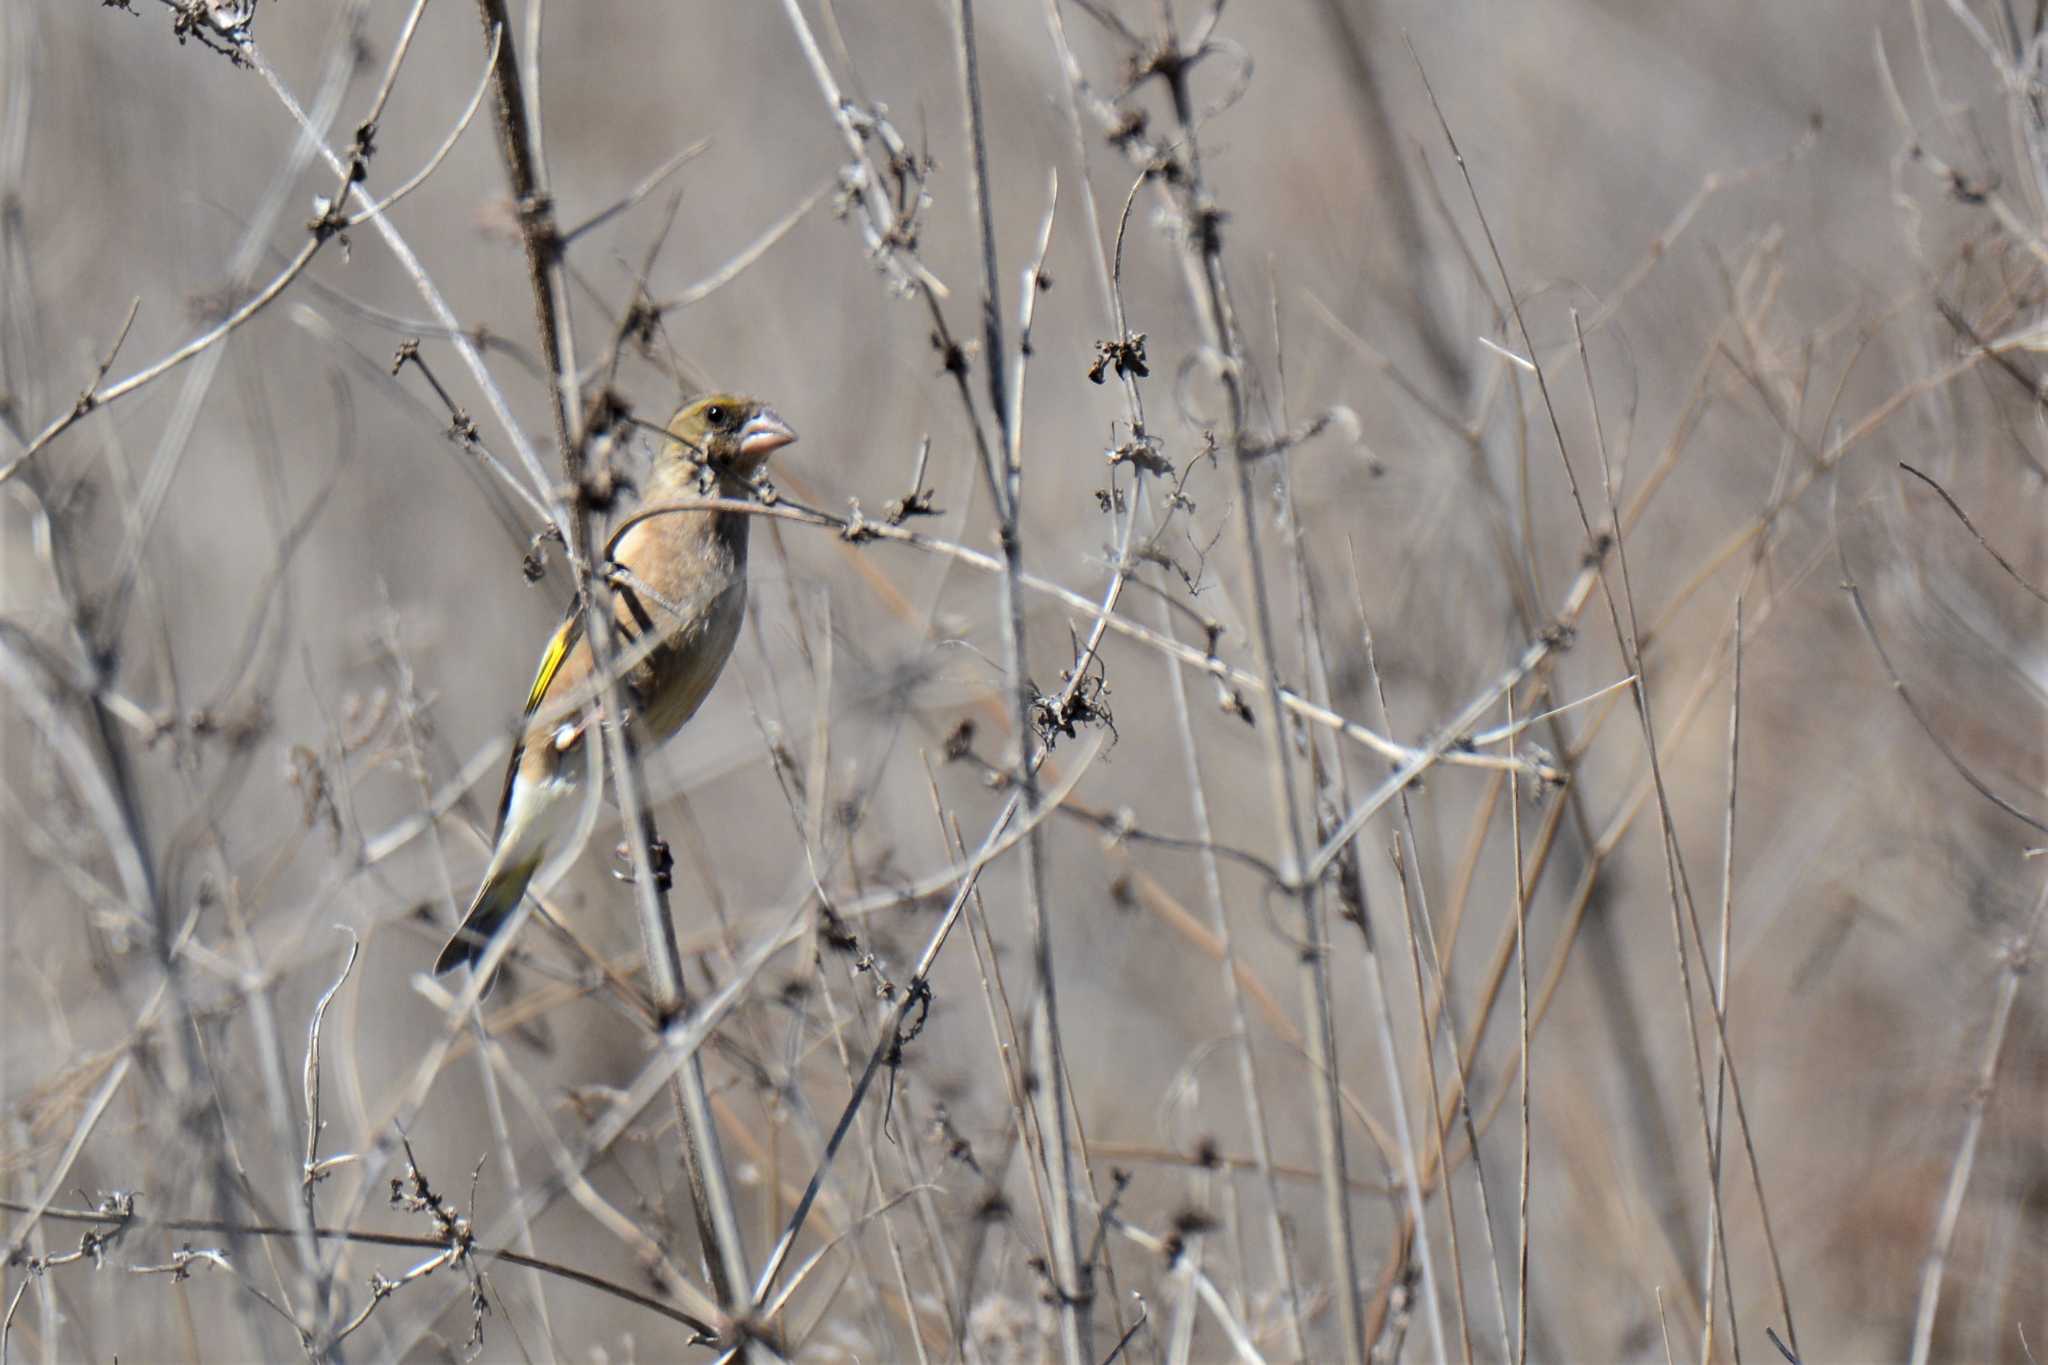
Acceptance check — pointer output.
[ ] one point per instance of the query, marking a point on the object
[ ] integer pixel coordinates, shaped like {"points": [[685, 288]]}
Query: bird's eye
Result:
{"points": [[716, 414]]}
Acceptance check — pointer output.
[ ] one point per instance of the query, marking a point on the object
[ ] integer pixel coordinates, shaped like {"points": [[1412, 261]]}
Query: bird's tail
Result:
{"points": [[495, 901]]}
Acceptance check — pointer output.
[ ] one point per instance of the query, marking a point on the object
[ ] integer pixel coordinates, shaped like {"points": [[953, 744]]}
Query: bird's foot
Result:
{"points": [[664, 865], [659, 859]]}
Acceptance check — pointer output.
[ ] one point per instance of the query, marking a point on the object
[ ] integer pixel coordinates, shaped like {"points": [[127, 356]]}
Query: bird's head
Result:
{"points": [[733, 436]]}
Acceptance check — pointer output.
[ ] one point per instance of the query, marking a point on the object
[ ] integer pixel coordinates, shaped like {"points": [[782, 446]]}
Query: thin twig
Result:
{"points": [[1978, 535], [2019, 959], [1715, 1241], [387, 1239]]}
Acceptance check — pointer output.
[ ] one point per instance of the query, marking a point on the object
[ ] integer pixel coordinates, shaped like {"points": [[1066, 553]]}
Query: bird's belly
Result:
{"points": [[677, 677]]}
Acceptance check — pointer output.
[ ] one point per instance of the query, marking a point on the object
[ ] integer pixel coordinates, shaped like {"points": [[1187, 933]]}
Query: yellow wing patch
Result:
{"points": [[564, 640]]}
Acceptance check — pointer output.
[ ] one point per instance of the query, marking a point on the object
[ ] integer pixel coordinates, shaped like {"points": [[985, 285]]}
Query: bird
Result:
{"points": [[679, 581]]}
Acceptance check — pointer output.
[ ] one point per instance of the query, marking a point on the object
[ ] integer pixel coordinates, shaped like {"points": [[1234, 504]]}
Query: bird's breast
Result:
{"points": [[693, 566]]}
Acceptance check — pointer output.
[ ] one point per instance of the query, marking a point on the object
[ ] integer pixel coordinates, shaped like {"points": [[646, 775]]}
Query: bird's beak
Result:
{"points": [[764, 434]]}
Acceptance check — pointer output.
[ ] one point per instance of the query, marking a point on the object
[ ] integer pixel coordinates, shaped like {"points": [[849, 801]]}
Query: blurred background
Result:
{"points": [[264, 611]]}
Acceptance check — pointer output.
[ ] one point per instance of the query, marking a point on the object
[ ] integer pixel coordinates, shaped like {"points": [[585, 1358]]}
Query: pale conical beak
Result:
{"points": [[764, 434]]}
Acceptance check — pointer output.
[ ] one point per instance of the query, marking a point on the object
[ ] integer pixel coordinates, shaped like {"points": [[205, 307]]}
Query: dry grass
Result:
{"points": [[1342, 749]]}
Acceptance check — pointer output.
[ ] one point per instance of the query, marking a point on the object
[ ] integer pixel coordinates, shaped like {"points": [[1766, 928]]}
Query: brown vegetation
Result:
{"points": [[1397, 703]]}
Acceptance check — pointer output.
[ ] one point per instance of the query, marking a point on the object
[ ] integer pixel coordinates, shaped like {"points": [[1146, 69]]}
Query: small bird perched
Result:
{"points": [[679, 594]]}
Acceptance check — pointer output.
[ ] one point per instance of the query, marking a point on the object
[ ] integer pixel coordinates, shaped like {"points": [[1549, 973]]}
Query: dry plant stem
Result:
{"points": [[173, 442], [780, 1304], [603, 372], [1316, 659], [20, 52], [246, 254], [745, 257], [684, 1035], [718, 1224], [1394, 196], [649, 183], [1445, 748], [888, 1038], [1913, 707], [1603, 849], [37, 1248], [1073, 1276], [388, 1239], [1976, 534], [445, 425], [1412, 1185], [1504, 951], [2019, 956], [310, 1310], [875, 1182], [315, 1169], [807, 813], [494, 1104], [1030, 288], [1720, 979], [88, 1120], [679, 1042], [107, 774], [1411, 1177], [1822, 462], [1521, 913], [1109, 276], [433, 162], [1630, 642], [878, 220], [1453, 744], [1543, 844], [1233, 993], [648, 1252], [1003, 1032], [925, 1189], [911, 995], [1532, 657], [518, 146], [1415, 1225], [1206, 282], [1622, 1021], [98, 397], [458, 336], [1180, 1335], [1516, 570], [1112, 1149], [933, 291], [308, 1314], [1440, 1115], [1628, 637], [1436, 1155], [1240, 1340], [878, 224]]}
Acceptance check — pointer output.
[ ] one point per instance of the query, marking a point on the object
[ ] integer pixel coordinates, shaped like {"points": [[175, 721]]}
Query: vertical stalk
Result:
{"points": [[1204, 262], [717, 1223], [1071, 1274]]}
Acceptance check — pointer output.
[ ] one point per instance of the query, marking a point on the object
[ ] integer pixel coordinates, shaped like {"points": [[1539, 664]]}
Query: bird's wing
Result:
{"points": [[560, 645], [565, 638]]}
